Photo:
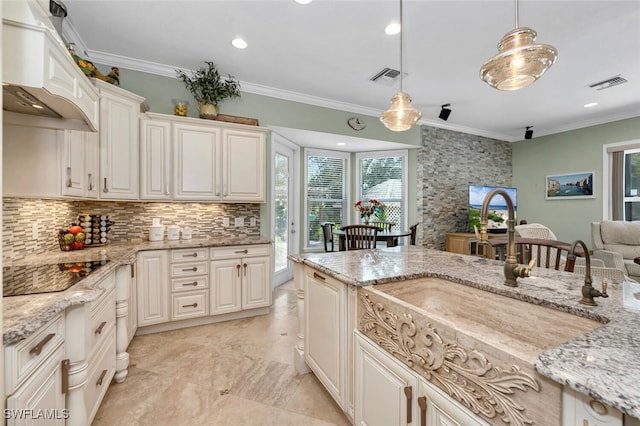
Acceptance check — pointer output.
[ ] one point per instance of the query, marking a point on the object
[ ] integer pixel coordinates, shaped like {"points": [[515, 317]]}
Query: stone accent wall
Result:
{"points": [[132, 220], [448, 163]]}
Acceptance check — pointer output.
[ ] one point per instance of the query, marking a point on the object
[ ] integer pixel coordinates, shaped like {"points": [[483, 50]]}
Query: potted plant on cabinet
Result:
{"points": [[208, 88]]}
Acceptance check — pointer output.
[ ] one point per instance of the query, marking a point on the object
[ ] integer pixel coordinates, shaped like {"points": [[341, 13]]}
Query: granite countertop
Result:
{"points": [[603, 363], [23, 315]]}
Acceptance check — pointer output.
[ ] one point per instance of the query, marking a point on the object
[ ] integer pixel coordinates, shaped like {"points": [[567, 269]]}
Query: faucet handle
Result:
{"points": [[604, 288], [475, 229], [532, 263]]}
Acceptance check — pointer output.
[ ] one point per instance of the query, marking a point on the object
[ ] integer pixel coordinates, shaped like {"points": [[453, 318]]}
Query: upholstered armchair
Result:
{"points": [[617, 243], [601, 267]]}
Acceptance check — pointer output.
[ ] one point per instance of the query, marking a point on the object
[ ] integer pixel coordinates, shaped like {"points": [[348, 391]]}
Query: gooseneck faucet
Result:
{"points": [[511, 268], [588, 292]]}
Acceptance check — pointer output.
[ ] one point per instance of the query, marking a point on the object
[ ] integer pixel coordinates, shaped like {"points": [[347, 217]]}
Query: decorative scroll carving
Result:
{"points": [[466, 375]]}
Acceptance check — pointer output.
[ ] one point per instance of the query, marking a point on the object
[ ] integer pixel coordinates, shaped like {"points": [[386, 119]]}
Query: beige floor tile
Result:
{"points": [[236, 372]]}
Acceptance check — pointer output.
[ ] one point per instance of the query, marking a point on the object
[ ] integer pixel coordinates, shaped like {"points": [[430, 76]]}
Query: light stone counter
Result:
{"points": [[603, 363], [23, 315]]}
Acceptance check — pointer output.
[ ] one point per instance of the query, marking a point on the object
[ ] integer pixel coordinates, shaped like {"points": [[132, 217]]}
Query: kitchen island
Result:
{"points": [[603, 363]]}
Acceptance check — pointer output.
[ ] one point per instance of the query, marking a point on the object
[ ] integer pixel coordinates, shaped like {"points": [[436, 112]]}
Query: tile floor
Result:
{"points": [[233, 373]]}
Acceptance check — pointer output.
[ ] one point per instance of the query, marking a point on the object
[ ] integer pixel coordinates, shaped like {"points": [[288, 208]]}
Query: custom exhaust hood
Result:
{"points": [[42, 85]]}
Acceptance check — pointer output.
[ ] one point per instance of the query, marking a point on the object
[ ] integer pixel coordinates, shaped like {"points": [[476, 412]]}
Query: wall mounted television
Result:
{"points": [[498, 212]]}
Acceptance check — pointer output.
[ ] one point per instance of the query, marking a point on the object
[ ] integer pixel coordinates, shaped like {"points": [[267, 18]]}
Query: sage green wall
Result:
{"points": [[159, 92], [563, 153]]}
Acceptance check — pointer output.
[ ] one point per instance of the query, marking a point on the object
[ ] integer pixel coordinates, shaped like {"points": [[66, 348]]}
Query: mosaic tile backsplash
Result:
{"points": [[131, 221]]}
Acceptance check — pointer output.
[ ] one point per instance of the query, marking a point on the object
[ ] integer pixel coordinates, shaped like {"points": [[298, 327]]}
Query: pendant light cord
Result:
{"points": [[401, 34]]}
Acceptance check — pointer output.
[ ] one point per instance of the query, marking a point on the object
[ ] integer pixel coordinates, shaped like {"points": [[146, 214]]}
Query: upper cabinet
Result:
{"points": [[211, 160], [80, 164], [119, 131]]}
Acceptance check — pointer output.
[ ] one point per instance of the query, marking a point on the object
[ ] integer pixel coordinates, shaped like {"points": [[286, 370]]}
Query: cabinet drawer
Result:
{"points": [[189, 269], [190, 283], [101, 372], [23, 358], [186, 255], [103, 319], [190, 305], [239, 251]]}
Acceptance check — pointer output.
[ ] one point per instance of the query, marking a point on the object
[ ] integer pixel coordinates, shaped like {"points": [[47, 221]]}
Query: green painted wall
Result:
{"points": [[569, 152]]}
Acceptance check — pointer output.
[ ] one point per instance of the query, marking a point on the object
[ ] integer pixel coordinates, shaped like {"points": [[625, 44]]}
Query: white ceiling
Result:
{"points": [[324, 53]]}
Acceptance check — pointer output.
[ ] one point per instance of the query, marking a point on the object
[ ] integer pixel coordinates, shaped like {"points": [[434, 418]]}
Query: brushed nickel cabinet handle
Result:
{"points": [[68, 177], [90, 181], [245, 251], [101, 378], [194, 269], [193, 305], [105, 189], [408, 393], [318, 276], [195, 283], [99, 329], [65, 365], [38, 348], [422, 403]]}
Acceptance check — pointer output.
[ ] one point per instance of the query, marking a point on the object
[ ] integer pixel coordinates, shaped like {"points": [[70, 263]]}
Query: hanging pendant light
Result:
{"points": [[401, 115], [520, 61]]}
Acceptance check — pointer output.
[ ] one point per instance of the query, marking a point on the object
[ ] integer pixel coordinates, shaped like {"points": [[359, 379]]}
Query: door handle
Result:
{"points": [[422, 403], [408, 393]]}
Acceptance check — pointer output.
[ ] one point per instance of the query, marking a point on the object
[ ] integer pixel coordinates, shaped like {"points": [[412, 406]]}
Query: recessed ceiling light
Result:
{"points": [[392, 29], [239, 43], [340, 143], [303, 1], [590, 104]]}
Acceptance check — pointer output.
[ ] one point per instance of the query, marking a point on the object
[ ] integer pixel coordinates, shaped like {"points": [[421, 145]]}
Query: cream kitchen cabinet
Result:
{"points": [[389, 393], [209, 160], [240, 278], [155, 160], [119, 147], [36, 375], [152, 270], [80, 158], [189, 283]]}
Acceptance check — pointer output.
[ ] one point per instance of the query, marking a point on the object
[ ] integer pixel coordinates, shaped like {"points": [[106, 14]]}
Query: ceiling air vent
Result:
{"points": [[386, 76], [613, 81]]}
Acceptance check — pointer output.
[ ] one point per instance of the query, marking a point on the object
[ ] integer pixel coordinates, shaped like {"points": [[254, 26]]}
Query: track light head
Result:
{"points": [[445, 112], [528, 133]]}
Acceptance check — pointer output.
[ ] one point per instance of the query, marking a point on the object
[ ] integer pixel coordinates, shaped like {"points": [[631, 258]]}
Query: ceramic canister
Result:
{"points": [[186, 233], [156, 233], [173, 232]]}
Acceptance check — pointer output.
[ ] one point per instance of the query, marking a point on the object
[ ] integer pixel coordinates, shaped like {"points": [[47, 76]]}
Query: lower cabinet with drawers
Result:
{"points": [[185, 287]]}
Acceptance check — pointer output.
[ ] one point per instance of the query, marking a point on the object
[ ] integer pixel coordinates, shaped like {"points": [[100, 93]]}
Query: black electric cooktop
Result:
{"points": [[21, 280]]}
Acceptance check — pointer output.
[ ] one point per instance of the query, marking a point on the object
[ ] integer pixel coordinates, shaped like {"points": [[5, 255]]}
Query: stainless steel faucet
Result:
{"points": [[511, 268], [588, 292]]}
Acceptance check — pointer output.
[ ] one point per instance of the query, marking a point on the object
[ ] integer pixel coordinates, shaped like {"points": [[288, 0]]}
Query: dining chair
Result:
{"points": [[382, 225], [414, 231], [360, 236], [327, 235]]}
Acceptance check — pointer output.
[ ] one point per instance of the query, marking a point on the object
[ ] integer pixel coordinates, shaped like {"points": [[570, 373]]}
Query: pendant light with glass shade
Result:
{"points": [[401, 115], [520, 61]]}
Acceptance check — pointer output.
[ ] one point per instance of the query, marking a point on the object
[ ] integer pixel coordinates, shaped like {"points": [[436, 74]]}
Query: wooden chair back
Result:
{"points": [[327, 235], [414, 231], [382, 225], [359, 237], [550, 254]]}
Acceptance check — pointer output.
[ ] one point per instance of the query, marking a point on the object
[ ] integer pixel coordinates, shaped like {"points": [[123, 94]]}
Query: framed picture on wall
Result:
{"points": [[570, 186]]}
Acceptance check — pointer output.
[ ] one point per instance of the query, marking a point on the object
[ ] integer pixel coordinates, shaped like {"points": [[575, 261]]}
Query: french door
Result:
{"points": [[284, 207]]}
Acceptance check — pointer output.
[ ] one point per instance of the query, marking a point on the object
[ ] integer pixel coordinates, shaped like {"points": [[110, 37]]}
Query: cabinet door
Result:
{"points": [[384, 389], [74, 163], [118, 146], [153, 287], [440, 409], [243, 167], [226, 289], [256, 282], [92, 165], [43, 391], [155, 159], [579, 409], [326, 344], [196, 153]]}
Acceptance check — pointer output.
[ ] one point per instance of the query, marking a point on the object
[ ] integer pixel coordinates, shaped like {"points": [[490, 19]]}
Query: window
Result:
{"points": [[383, 176], [326, 179], [632, 184]]}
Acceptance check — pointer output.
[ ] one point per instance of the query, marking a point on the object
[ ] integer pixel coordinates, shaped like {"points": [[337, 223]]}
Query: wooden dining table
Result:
{"points": [[391, 237]]}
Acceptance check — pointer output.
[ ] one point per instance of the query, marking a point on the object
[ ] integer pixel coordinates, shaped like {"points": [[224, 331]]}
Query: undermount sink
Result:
{"points": [[517, 327]]}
